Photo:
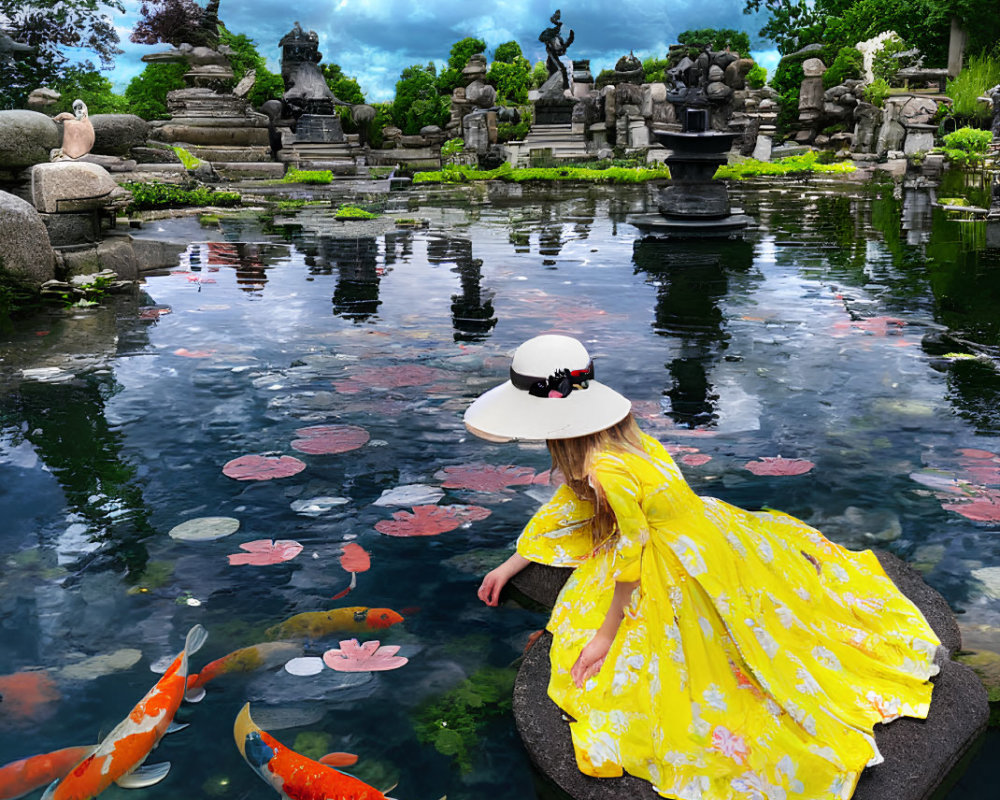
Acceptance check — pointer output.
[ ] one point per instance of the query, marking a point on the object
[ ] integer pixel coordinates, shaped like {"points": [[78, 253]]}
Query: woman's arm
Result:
{"points": [[592, 656], [496, 579]]}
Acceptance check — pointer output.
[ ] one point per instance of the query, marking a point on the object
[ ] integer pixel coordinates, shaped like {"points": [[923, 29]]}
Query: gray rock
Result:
{"points": [[43, 97], [70, 186], [918, 753], [810, 94], [716, 73], [26, 137], [25, 250], [813, 68], [890, 137], [481, 94], [717, 90], [918, 111], [117, 134]]}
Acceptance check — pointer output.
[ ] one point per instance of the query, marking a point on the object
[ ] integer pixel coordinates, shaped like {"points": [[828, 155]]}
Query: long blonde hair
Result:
{"points": [[575, 457]]}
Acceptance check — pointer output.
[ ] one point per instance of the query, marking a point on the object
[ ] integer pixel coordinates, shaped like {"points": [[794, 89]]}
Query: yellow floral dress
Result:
{"points": [[755, 656]]}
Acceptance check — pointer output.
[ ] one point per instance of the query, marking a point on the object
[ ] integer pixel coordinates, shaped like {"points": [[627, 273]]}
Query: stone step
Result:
{"points": [[250, 169], [214, 154]]}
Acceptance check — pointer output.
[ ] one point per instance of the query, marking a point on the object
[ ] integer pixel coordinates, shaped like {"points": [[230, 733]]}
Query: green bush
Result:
{"points": [[353, 212], [452, 148], [417, 101], [169, 195], [717, 39], [505, 172], [654, 69], [876, 92], [885, 65], [90, 86], [539, 74], [790, 165], [146, 93], [757, 77], [980, 73], [311, 176], [849, 63], [966, 147]]}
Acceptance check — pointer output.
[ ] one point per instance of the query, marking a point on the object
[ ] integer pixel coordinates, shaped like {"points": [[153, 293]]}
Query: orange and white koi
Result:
{"points": [[247, 659], [292, 775], [317, 624], [20, 777], [118, 759]]}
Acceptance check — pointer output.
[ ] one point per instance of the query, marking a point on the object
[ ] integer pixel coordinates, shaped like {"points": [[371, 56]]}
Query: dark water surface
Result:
{"points": [[855, 328]]}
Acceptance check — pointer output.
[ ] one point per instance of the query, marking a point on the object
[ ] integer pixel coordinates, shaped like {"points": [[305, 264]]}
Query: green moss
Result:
{"points": [[458, 174], [353, 212], [189, 160], [453, 721], [169, 195], [313, 744], [208, 220], [790, 165], [156, 575], [310, 176]]}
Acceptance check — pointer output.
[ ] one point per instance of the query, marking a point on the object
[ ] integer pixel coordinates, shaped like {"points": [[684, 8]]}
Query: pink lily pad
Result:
{"points": [[367, 657], [484, 477], [982, 509], [430, 520], [183, 351], [266, 551], [971, 452], [695, 459], [328, 439], [779, 466], [153, 313], [678, 449], [262, 468], [390, 378], [355, 558]]}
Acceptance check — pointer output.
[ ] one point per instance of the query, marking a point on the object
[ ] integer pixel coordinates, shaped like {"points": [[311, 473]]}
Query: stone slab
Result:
{"points": [[918, 754], [25, 250], [70, 186]]}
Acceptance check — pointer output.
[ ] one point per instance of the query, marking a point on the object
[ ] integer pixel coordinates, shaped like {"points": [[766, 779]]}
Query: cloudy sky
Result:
{"points": [[373, 40]]}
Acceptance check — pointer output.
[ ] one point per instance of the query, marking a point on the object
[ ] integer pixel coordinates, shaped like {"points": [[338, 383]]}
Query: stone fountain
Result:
{"points": [[694, 204]]}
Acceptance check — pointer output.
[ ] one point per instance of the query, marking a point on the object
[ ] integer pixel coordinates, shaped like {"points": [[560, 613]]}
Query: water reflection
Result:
{"points": [[471, 311], [692, 279]]}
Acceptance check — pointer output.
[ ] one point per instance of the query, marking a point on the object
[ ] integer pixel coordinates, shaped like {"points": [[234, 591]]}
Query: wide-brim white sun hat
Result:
{"points": [[551, 394]]}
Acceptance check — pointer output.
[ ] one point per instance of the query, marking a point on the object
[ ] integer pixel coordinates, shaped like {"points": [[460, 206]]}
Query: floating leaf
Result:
{"points": [[367, 657], [153, 313], [182, 351], [305, 666], [484, 477], [985, 508], [205, 529], [327, 439], [695, 459], [315, 506], [391, 378], [355, 559], [262, 468], [266, 551], [970, 452], [678, 449], [430, 520], [412, 494], [939, 481], [779, 466]]}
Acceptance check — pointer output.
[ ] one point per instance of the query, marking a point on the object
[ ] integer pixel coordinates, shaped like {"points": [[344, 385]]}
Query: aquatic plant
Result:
{"points": [[263, 552], [966, 147], [354, 212], [327, 439], [453, 721], [311, 176], [371, 656], [980, 73], [430, 520], [452, 148], [169, 195], [876, 92], [505, 172], [790, 165]]}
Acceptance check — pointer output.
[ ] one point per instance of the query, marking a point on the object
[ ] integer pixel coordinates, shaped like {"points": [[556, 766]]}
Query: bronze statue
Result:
{"points": [[555, 47]]}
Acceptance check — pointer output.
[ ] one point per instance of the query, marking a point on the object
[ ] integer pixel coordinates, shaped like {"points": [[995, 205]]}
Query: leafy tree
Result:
{"points": [[267, 85], [170, 21], [718, 39], [146, 93], [417, 100], [849, 63], [93, 88], [53, 26], [792, 23], [510, 73], [461, 51], [345, 88], [539, 74]]}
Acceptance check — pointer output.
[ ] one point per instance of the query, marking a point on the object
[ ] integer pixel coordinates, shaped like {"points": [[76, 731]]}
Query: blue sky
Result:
{"points": [[373, 40]]}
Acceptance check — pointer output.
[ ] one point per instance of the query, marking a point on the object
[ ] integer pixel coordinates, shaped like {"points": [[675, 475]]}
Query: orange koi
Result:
{"points": [[247, 659], [27, 774], [119, 757], [317, 624], [292, 775], [339, 759]]}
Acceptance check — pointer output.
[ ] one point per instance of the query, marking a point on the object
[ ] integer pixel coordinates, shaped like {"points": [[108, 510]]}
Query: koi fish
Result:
{"points": [[247, 659], [291, 775], [118, 759], [27, 774], [317, 624], [339, 759]]}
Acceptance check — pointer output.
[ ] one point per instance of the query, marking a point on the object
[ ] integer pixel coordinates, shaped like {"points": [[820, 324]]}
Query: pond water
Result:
{"points": [[855, 328]]}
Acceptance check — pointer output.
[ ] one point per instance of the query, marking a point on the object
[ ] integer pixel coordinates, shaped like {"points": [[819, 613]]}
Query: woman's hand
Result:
{"points": [[496, 579], [591, 659], [492, 585]]}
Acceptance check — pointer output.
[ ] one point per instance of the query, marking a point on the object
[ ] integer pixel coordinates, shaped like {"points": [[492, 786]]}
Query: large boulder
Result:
{"points": [[63, 186], [26, 137], [117, 134], [25, 250]]}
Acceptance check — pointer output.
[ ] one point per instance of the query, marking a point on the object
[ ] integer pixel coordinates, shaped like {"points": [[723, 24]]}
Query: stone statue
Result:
{"points": [[78, 133], [306, 90], [8, 47], [994, 95], [555, 47]]}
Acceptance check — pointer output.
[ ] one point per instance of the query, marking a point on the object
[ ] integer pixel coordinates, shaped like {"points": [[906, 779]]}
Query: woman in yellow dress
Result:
{"points": [[715, 652]]}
